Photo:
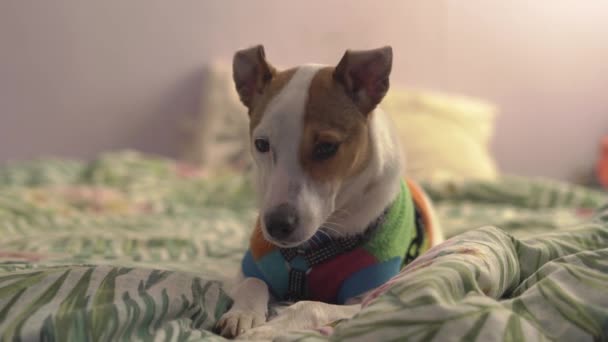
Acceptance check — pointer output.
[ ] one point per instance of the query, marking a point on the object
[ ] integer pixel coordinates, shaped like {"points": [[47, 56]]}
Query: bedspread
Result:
{"points": [[133, 247]]}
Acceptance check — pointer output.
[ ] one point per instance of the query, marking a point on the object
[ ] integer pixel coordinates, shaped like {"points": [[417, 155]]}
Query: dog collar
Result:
{"points": [[327, 249]]}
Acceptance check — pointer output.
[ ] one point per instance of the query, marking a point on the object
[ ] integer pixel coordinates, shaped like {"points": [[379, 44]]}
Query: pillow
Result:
{"points": [[444, 137], [217, 137]]}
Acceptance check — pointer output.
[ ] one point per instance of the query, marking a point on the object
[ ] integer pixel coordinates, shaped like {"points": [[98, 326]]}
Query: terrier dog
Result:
{"points": [[337, 219]]}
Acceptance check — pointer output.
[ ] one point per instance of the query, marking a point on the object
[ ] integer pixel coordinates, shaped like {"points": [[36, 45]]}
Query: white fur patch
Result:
{"points": [[280, 175]]}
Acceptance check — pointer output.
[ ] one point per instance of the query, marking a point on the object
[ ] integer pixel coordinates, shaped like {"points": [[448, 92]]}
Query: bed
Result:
{"points": [[136, 247]]}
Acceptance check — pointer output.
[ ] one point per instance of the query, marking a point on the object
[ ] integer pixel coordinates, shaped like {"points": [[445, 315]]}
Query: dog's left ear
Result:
{"points": [[365, 76]]}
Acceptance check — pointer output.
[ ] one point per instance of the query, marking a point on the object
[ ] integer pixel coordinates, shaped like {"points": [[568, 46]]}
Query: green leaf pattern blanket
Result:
{"points": [[133, 247]]}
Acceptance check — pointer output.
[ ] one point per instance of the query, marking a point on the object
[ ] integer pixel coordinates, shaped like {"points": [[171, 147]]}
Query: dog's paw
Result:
{"points": [[235, 322]]}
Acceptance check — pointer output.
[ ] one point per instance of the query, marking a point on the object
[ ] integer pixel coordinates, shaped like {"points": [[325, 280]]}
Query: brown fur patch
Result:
{"points": [[421, 202], [275, 86], [332, 117]]}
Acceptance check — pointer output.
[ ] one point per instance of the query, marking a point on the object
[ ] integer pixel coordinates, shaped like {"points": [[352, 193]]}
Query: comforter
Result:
{"points": [[135, 247]]}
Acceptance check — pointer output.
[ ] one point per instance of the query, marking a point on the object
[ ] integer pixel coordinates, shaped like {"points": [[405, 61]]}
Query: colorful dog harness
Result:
{"points": [[337, 269]]}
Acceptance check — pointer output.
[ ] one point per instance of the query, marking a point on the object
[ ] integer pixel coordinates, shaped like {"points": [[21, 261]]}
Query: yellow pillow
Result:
{"points": [[445, 138]]}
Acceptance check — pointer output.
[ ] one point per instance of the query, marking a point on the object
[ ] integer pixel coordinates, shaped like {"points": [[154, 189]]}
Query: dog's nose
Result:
{"points": [[281, 221]]}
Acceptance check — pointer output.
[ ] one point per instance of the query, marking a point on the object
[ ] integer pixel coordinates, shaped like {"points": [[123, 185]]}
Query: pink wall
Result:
{"points": [[81, 77]]}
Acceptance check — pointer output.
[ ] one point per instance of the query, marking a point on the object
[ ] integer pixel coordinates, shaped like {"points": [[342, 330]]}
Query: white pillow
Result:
{"points": [[217, 137], [445, 137]]}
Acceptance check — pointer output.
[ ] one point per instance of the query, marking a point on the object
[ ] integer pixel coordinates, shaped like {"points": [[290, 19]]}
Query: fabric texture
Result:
{"points": [[134, 247]]}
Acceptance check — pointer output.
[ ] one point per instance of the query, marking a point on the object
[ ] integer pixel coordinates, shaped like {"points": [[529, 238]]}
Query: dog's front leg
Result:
{"points": [[249, 309]]}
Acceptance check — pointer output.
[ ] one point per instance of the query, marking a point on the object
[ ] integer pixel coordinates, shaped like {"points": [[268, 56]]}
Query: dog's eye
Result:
{"points": [[325, 150], [262, 145]]}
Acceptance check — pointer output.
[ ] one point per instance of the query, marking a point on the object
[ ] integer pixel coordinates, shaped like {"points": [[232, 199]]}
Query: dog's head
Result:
{"points": [[309, 129]]}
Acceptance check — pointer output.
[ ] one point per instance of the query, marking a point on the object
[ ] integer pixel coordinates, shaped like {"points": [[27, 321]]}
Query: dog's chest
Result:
{"points": [[341, 268]]}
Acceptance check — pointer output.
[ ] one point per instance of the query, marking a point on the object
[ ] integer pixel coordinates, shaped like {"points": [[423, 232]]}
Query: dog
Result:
{"points": [[336, 217]]}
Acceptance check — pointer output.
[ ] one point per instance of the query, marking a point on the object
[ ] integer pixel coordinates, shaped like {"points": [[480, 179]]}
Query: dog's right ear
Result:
{"points": [[251, 73]]}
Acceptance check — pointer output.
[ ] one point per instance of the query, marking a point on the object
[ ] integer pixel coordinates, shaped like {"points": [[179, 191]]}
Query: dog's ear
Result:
{"points": [[364, 76], [251, 72]]}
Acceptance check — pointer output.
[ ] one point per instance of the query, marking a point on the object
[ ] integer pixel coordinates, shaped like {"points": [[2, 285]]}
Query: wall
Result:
{"points": [[81, 77]]}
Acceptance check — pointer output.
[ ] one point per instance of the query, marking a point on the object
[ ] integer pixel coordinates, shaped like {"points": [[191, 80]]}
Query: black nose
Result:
{"points": [[281, 221]]}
